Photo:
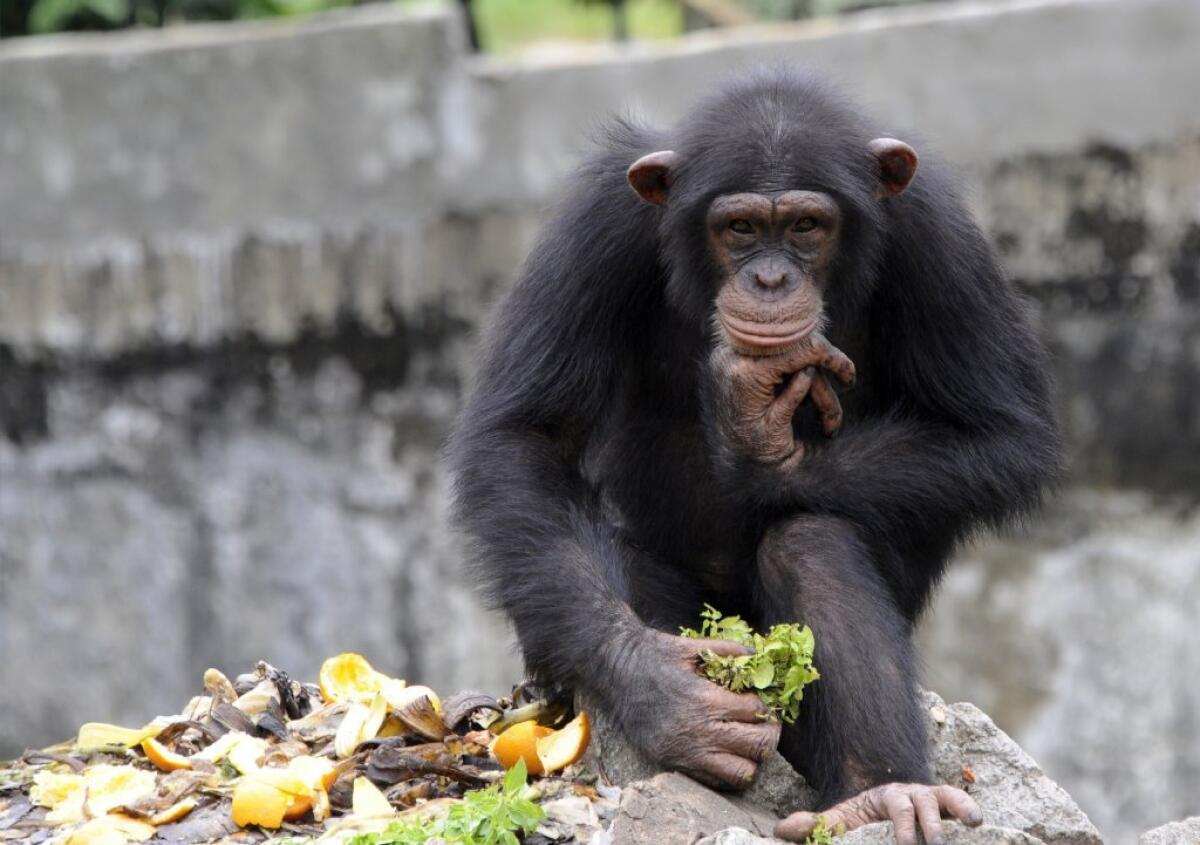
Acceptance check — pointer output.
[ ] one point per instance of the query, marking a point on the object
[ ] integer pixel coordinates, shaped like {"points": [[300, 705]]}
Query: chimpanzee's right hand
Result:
{"points": [[691, 725], [758, 395]]}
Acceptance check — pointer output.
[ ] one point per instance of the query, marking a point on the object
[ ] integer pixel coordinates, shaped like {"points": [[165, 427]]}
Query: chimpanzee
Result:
{"points": [[638, 442]]}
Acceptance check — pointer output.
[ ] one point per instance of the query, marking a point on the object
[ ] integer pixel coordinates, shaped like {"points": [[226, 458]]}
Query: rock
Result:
{"points": [[954, 834], [735, 836], [1186, 832], [1010, 788], [780, 788], [671, 809], [1020, 804], [572, 818]]}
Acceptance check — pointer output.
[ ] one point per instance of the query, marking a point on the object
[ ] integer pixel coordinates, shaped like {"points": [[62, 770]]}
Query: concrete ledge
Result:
{"points": [[204, 182]]}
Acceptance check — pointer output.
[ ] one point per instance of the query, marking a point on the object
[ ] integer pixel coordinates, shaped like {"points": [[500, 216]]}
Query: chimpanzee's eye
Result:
{"points": [[804, 224], [742, 227]]}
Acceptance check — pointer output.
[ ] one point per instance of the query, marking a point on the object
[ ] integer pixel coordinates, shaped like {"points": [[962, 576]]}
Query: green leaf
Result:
{"points": [[763, 675], [778, 670], [516, 777]]}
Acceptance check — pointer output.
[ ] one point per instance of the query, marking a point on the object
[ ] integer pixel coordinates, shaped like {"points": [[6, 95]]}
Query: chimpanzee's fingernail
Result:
{"points": [[937, 840], [975, 817]]}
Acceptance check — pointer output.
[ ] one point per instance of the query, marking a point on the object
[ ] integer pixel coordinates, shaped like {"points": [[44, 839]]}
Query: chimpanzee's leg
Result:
{"points": [[860, 724]]}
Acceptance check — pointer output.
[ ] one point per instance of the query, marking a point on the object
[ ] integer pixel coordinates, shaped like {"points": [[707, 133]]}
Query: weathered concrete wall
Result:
{"points": [[241, 273]]}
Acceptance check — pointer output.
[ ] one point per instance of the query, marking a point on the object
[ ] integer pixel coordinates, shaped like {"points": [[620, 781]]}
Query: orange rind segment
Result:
{"points": [[162, 757], [367, 800], [115, 829], [563, 747], [317, 772], [267, 797], [256, 802], [520, 743], [175, 812], [349, 677], [217, 751], [246, 752], [358, 725]]}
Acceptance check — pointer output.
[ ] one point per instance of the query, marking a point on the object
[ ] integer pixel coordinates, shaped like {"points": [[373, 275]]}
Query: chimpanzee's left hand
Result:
{"points": [[905, 805]]}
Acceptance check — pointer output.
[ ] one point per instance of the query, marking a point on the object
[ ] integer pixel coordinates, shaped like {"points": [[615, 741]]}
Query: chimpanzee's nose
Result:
{"points": [[770, 278]]}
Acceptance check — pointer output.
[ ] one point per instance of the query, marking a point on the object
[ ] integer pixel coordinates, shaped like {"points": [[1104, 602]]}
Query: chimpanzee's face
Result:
{"points": [[774, 252]]}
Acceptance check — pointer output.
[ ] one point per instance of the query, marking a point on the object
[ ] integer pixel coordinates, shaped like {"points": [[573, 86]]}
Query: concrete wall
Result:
{"points": [[242, 269]]}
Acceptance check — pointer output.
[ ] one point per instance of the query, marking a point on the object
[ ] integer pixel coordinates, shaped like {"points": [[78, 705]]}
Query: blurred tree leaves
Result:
{"points": [[30, 17]]}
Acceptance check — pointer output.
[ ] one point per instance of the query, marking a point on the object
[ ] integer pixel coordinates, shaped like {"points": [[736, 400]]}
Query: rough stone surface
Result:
{"points": [[882, 834], [1019, 802], [1186, 832], [670, 809], [954, 834], [1011, 789]]}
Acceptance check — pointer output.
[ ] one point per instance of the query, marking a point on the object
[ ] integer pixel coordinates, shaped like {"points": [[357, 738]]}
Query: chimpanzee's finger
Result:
{"points": [[903, 814], [827, 404], [728, 706], [725, 648], [786, 403], [929, 815], [798, 826], [753, 741], [836, 361], [723, 771], [959, 805]]}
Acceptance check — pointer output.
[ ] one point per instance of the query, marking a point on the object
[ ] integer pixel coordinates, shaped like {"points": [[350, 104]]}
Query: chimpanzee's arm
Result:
{"points": [[545, 551]]}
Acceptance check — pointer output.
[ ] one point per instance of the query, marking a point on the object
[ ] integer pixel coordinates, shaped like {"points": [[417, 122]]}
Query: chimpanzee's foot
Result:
{"points": [[904, 804]]}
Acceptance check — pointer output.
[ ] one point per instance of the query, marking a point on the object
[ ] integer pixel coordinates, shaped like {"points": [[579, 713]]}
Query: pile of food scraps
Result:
{"points": [[360, 758]]}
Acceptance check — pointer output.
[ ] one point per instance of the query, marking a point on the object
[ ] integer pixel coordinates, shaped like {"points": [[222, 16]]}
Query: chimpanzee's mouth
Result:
{"points": [[767, 336]]}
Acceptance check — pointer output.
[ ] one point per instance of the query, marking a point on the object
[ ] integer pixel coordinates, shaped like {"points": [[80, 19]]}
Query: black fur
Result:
{"points": [[584, 463]]}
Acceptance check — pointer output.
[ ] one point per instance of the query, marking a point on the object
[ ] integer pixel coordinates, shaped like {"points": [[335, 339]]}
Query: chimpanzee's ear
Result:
{"points": [[897, 165], [651, 175]]}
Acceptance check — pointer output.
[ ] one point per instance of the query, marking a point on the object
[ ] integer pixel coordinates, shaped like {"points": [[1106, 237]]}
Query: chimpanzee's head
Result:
{"points": [[773, 200]]}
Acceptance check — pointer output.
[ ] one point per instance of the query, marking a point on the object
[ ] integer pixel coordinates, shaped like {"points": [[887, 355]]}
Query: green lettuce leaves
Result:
{"points": [[778, 670]]}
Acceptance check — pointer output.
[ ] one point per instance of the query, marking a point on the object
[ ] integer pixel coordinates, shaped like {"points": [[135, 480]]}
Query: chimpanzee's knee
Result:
{"points": [[805, 548]]}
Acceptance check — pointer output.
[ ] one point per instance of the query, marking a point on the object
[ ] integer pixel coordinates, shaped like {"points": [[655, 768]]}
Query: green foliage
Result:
{"points": [[823, 834], [508, 25], [49, 15], [778, 670], [492, 816]]}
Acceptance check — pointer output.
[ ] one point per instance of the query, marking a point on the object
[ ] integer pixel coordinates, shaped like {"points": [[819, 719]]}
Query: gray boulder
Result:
{"points": [[1020, 804], [1186, 832], [970, 752], [881, 834], [671, 809]]}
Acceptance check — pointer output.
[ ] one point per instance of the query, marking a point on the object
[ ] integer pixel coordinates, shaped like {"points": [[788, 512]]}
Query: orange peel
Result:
{"points": [[520, 742], [175, 812], [256, 802], [267, 797], [564, 746], [349, 677], [163, 757], [368, 800]]}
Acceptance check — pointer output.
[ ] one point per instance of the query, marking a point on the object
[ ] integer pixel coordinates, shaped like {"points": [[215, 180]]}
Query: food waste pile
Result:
{"points": [[360, 758]]}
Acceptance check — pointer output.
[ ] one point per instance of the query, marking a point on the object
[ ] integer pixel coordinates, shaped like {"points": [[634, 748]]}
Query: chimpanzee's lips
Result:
{"points": [[766, 336]]}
